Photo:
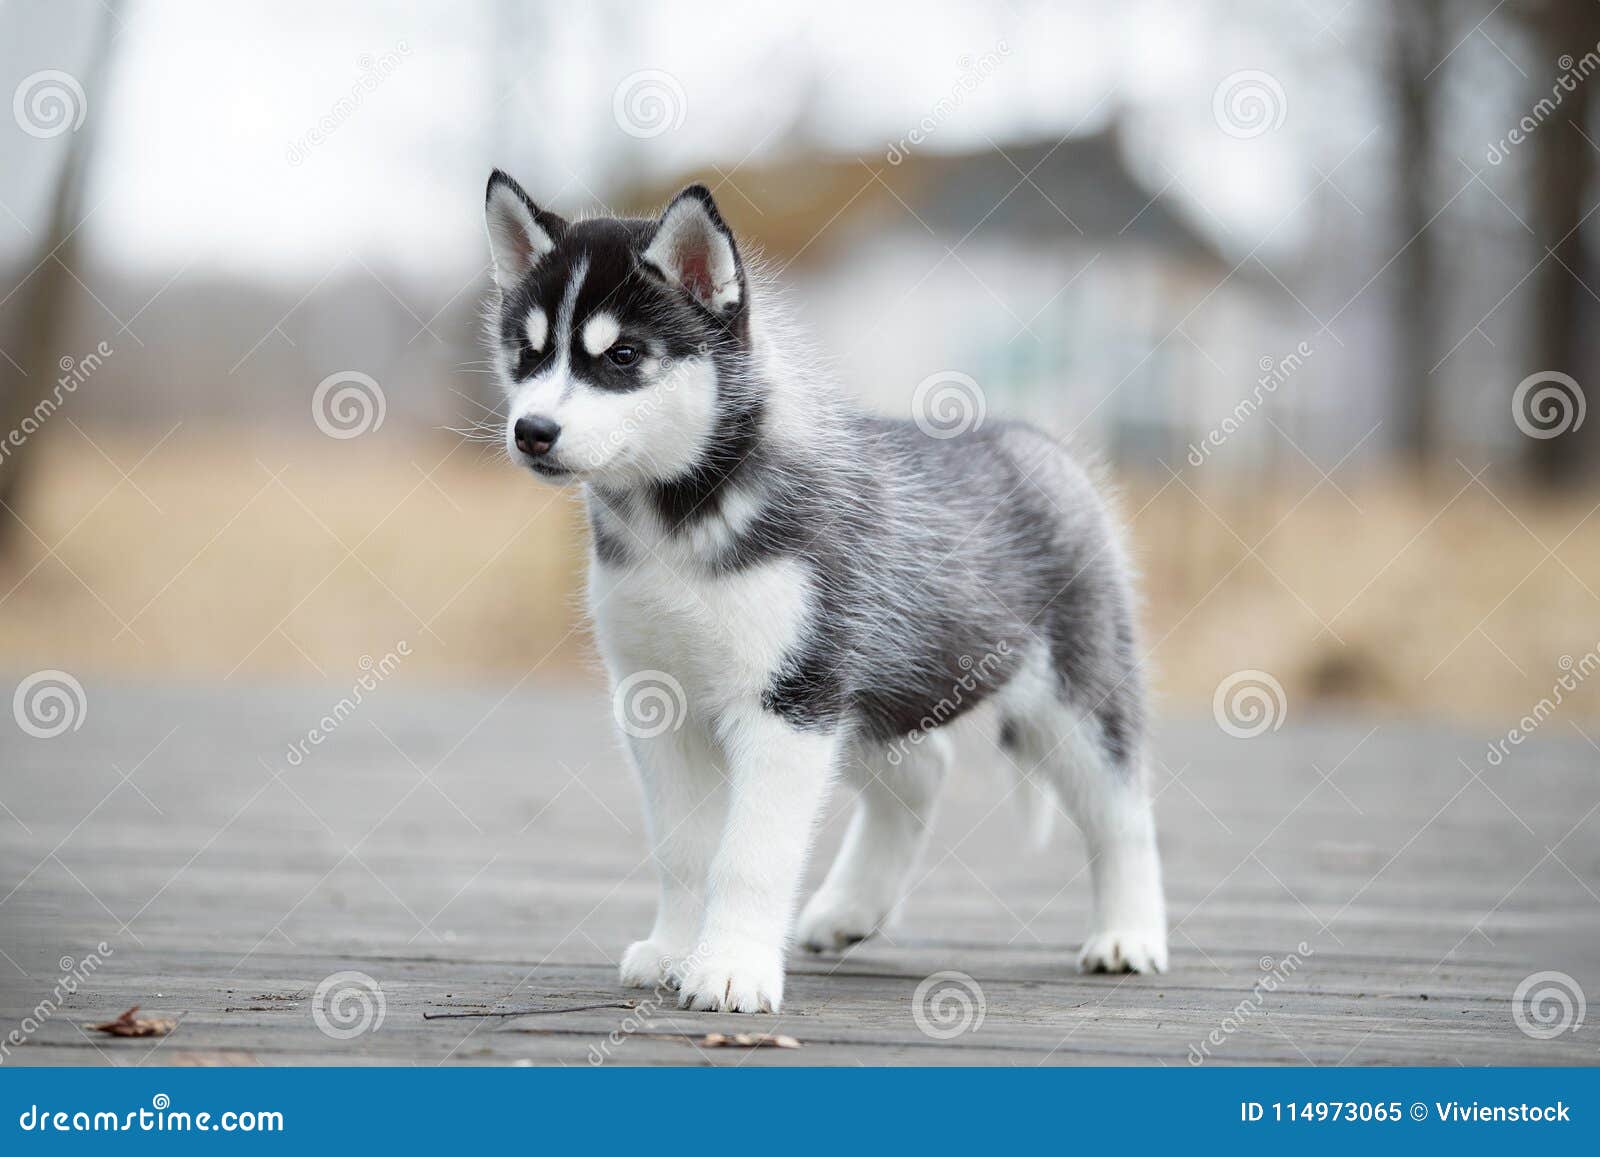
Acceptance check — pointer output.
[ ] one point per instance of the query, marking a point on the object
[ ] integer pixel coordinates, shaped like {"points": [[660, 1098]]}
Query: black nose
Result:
{"points": [[535, 436]]}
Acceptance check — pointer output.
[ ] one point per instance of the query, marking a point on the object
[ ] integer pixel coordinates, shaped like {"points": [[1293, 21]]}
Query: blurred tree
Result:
{"points": [[48, 295], [1416, 48], [1560, 176]]}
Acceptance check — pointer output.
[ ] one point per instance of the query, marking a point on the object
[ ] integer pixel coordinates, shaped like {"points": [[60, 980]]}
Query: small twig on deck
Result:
{"points": [[531, 1011]]}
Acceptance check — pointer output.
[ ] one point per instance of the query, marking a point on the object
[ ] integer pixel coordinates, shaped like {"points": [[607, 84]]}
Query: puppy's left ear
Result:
{"points": [[693, 248]]}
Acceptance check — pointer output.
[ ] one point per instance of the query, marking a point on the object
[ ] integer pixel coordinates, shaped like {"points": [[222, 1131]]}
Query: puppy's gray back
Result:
{"points": [[944, 564]]}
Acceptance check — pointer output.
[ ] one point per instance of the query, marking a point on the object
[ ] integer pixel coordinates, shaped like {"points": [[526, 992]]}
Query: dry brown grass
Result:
{"points": [[226, 555], [1440, 598]]}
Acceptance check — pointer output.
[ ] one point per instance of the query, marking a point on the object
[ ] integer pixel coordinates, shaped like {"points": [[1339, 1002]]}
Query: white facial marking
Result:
{"points": [[538, 328], [569, 302], [599, 333], [542, 395]]}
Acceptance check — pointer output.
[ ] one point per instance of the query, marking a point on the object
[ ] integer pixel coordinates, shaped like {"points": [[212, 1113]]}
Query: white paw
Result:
{"points": [[647, 964], [832, 922], [1124, 951], [743, 980]]}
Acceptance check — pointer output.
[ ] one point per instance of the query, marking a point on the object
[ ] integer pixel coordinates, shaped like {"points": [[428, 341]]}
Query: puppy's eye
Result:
{"points": [[622, 354]]}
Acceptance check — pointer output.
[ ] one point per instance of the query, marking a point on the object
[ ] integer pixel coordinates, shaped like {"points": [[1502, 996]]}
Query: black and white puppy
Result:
{"points": [[787, 591]]}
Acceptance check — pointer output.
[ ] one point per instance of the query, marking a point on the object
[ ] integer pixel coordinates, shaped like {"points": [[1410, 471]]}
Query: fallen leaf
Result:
{"points": [[750, 1040], [130, 1025]]}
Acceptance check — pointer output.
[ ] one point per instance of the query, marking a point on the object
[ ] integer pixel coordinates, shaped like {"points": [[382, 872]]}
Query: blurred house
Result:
{"points": [[1073, 292]]}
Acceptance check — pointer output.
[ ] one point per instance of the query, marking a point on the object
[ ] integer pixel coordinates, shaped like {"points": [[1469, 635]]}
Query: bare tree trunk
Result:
{"points": [[1417, 47], [45, 304], [1561, 176]]}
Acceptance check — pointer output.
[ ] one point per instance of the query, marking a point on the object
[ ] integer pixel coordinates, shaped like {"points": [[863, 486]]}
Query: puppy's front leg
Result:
{"points": [[778, 779], [684, 792]]}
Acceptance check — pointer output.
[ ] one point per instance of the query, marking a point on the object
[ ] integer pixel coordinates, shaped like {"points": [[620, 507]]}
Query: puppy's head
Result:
{"points": [[609, 334]]}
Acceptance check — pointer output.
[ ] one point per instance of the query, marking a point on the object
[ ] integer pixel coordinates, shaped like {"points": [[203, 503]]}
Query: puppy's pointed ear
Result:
{"points": [[520, 233], [693, 248]]}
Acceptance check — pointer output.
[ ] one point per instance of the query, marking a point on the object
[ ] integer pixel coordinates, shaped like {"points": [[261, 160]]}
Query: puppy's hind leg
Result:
{"points": [[1104, 792], [897, 787], [1130, 926]]}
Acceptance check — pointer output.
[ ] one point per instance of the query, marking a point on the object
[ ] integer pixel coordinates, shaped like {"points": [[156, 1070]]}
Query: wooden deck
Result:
{"points": [[473, 851]]}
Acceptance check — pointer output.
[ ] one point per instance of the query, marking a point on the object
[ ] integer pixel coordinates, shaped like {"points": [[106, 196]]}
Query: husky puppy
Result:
{"points": [[801, 593]]}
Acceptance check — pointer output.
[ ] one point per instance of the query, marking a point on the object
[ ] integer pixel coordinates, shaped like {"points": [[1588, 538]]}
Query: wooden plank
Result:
{"points": [[424, 846]]}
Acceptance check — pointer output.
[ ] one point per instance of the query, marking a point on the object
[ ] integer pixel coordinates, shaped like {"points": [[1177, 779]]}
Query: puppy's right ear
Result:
{"points": [[520, 233]]}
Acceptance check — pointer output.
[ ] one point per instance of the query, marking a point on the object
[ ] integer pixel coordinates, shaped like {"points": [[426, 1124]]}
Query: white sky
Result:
{"points": [[207, 99]]}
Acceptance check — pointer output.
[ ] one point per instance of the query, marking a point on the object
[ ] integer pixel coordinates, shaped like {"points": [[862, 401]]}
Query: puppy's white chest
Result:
{"points": [[722, 637]]}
